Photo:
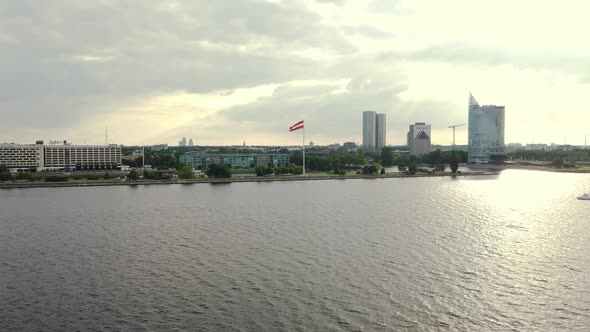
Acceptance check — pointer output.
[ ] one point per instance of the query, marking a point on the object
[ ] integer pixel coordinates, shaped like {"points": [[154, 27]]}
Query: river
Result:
{"points": [[505, 252]]}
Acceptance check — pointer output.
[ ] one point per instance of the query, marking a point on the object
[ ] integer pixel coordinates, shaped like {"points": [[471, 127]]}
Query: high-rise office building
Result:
{"points": [[182, 142], [190, 142], [419, 139], [374, 131], [380, 131], [486, 133]]}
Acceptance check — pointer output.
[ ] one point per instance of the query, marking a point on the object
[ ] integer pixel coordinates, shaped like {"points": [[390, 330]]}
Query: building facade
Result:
{"points": [[199, 160], [374, 131], [159, 147], [486, 133], [419, 139], [380, 132], [19, 157], [369, 137], [40, 157]]}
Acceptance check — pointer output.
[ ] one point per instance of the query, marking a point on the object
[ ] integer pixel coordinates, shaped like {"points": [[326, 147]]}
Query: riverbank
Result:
{"points": [[543, 168], [14, 185]]}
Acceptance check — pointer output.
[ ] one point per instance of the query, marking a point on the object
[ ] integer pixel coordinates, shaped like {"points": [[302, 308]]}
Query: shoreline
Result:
{"points": [[542, 168], [230, 180]]}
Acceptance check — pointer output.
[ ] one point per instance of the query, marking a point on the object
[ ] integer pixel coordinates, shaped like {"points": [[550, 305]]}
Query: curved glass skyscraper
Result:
{"points": [[486, 133]]}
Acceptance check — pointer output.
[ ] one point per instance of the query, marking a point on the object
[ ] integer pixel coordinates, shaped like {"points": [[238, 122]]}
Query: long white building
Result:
{"points": [[38, 157], [22, 157], [486, 133]]}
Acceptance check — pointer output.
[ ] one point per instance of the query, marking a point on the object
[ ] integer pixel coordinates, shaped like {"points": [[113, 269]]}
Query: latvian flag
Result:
{"points": [[297, 126]]}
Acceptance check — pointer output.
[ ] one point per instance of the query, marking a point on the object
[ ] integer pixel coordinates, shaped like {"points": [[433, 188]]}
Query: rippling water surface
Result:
{"points": [[426, 254]]}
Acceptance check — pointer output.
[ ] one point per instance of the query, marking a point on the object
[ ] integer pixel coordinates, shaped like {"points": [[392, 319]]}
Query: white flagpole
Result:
{"points": [[303, 150]]}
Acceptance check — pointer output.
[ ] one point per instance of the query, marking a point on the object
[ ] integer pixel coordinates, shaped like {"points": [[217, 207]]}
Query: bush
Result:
{"points": [[372, 169], [339, 171], [24, 176], [55, 178], [133, 175], [297, 170]]}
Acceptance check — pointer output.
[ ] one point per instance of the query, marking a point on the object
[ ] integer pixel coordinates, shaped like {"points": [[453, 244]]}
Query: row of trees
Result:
{"points": [[5, 175], [327, 161], [542, 155], [263, 170]]}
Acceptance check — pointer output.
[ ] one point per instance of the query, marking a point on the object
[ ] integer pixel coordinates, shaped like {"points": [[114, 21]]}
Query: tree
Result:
{"points": [[133, 175], [386, 156], [412, 168], [261, 170], [219, 171], [5, 173], [186, 172], [454, 164], [24, 176], [369, 169]]}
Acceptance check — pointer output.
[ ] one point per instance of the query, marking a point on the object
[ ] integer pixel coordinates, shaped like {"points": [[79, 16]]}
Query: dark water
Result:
{"points": [[432, 254]]}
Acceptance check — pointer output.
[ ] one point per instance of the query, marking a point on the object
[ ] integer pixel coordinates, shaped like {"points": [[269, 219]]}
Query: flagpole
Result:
{"points": [[303, 151]]}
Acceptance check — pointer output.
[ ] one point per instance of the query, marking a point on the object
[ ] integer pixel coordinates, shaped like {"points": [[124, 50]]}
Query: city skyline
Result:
{"points": [[69, 76]]}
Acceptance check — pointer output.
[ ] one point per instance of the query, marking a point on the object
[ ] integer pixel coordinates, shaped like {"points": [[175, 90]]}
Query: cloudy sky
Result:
{"points": [[226, 71]]}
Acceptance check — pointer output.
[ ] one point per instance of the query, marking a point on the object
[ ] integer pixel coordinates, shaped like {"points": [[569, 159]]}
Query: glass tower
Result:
{"points": [[486, 133]]}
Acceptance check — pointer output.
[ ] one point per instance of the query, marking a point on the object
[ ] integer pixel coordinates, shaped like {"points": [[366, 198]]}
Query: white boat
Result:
{"points": [[584, 196]]}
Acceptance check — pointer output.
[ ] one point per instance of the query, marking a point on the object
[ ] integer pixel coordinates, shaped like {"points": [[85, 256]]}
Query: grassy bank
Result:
{"points": [[310, 177]]}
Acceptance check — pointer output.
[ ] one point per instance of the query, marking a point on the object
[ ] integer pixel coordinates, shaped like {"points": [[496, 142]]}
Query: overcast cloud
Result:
{"points": [[231, 70]]}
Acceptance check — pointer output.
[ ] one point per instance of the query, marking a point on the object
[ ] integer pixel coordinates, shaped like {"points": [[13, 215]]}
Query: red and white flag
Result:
{"points": [[297, 126]]}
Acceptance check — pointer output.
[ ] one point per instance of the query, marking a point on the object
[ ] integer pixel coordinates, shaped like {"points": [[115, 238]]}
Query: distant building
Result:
{"points": [[159, 147], [530, 147], [419, 139], [486, 133], [349, 146], [374, 131], [19, 157], [182, 142], [511, 147], [190, 142], [380, 132], [200, 160], [64, 157]]}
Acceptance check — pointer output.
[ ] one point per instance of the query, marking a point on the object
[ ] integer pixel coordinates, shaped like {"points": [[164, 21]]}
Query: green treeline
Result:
{"points": [[557, 155]]}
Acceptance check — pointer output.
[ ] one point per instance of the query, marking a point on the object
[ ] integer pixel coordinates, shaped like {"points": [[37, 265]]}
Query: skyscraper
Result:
{"points": [[419, 139], [190, 142], [486, 133], [380, 132], [374, 131], [369, 121]]}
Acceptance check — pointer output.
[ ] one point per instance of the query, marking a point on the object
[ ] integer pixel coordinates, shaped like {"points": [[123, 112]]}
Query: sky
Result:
{"points": [[227, 71]]}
